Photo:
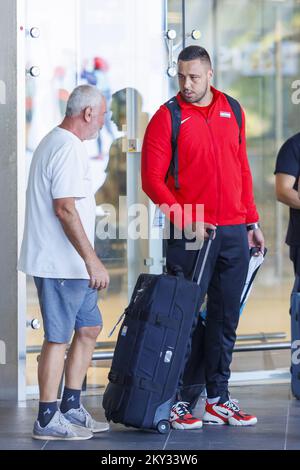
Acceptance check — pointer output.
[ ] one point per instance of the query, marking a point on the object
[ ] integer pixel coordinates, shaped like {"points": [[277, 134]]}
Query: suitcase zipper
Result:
{"points": [[161, 347], [118, 322]]}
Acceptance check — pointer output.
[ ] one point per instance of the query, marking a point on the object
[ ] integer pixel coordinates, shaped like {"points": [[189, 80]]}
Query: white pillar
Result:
{"points": [[12, 184]]}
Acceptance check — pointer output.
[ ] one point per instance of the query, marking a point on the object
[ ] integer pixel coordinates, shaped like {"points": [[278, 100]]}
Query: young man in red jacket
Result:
{"points": [[212, 171]]}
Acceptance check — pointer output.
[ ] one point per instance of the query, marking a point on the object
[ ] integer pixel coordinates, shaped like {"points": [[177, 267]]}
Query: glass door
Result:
{"points": [[51, 73], [119, 47], [122, 47], [254, 46]]}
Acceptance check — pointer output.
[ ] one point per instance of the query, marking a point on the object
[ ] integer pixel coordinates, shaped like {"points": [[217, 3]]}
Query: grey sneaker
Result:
{"points": [[81, 417], [59, 428]]}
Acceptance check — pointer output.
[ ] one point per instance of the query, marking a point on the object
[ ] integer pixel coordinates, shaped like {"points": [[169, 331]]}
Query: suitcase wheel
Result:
{"points": [[163, 427]]}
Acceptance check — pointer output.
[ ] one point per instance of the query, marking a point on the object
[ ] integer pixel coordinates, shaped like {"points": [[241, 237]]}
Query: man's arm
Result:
{"points": [[68, 216], [287, 171], [247, 184], [285, 192], [156, 158]]}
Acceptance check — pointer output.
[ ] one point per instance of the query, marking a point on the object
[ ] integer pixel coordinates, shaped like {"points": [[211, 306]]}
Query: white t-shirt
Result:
{"points": [[59, 169]]}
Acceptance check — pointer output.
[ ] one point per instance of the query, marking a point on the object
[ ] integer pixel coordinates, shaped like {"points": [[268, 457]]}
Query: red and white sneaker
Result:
{"points": [[181, 417], [227, 413]]}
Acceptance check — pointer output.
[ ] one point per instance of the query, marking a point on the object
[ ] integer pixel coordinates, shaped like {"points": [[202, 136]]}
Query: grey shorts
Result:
{"points": [[66, 305]]}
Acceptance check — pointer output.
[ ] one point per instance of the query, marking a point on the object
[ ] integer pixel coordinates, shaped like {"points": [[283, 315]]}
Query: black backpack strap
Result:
{"points": [[175, 111], [237, 111]]}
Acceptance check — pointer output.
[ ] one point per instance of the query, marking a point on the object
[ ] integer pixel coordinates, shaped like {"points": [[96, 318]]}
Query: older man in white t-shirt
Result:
{"points": [[58, 251]]}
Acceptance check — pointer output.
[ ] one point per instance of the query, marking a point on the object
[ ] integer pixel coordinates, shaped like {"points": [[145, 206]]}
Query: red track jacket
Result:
{"points": [[213, 166]]}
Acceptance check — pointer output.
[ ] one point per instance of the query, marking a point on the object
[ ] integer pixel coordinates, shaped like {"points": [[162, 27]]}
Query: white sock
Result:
{"points": [[212, 401]]}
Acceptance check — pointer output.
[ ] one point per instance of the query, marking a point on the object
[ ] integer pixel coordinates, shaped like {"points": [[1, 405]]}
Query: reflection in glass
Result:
{"points": [[255, 51], [117, 46]]}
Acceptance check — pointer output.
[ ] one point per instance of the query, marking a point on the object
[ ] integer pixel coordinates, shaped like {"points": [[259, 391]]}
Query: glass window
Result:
{"points": [[54, 53], [255, 50], [119, 47]]}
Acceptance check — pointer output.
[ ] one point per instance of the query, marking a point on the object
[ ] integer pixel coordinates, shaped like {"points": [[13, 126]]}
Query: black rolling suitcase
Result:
{"points": [[153, 347], [295, 339]]}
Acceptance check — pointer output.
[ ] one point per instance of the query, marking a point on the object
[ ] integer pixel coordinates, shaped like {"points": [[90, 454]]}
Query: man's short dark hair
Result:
{"points": [[193, 53]]}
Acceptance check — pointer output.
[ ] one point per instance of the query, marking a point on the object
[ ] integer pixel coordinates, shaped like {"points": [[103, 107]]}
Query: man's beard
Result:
{"points": [[94, 136], [199, 98]]}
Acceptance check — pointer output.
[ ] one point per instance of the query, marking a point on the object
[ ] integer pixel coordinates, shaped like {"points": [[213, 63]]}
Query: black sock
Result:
{"points": [[70, 400], [46, 412], [224, 398]]}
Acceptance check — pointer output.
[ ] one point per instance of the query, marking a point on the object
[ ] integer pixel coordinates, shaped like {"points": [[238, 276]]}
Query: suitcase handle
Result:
{"points": [[177, 271], [211, 233]]}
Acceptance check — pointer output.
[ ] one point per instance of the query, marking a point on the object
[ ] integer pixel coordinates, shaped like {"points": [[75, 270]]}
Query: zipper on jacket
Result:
{"points": [[217, 162], [218, 176], [218, 173]]}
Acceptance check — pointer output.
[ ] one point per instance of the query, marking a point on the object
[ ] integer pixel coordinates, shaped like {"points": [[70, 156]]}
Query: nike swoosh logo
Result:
{"points": [[186, 119], [62, 433], [76, 420], [224, 413]]}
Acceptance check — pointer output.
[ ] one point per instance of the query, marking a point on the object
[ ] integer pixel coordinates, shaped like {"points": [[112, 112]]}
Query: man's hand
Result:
{"points": [[99, 278], [68, 216], [197, 233], [210, 227], [198, 230], [256, 240]]}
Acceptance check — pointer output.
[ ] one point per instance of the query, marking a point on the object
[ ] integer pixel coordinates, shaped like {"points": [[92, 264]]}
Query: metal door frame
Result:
{"points": [[12, 180]]}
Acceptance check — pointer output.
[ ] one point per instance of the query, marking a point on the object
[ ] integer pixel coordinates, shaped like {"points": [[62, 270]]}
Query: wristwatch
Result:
{"points": [[253, 226]]}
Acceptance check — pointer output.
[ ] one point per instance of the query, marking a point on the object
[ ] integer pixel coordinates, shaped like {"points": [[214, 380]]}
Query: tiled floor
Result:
{"points": [[278, 427]]}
